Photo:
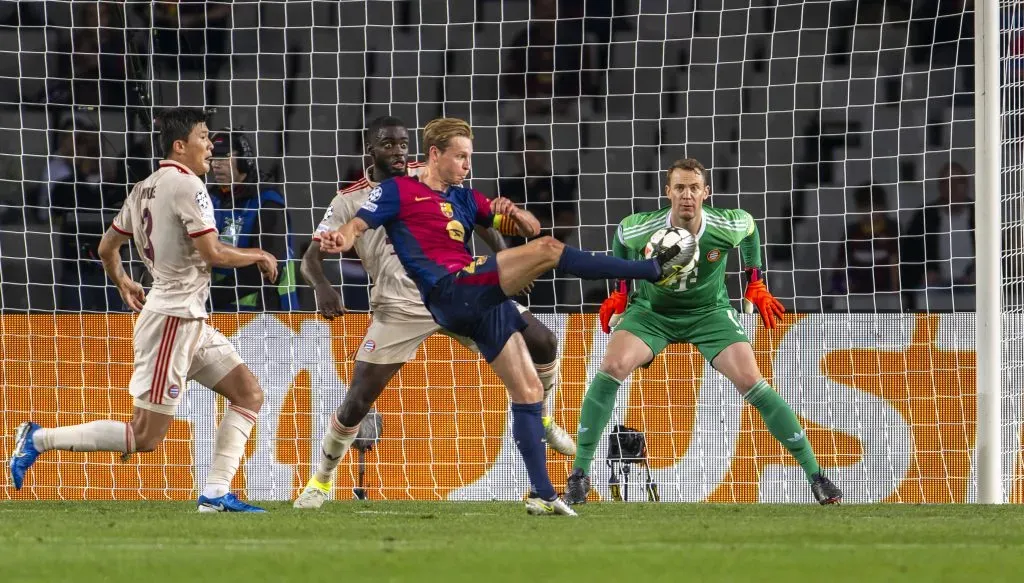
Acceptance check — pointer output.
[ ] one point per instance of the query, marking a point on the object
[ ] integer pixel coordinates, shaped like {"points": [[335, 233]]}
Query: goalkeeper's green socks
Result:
{"points": [[594, 416], [783, 425]]}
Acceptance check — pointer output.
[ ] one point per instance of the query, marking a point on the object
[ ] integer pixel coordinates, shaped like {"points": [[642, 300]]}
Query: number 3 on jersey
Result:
{"points": [[147, 228], [687, 280]]}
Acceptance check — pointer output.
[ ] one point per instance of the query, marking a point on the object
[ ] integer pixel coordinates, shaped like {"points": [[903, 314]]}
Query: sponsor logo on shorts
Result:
{"points": [[173, 391], [369, 346], [714, 255]]}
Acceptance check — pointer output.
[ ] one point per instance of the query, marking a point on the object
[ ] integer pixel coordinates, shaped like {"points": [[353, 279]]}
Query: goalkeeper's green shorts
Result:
{"points": [[710, 331]]}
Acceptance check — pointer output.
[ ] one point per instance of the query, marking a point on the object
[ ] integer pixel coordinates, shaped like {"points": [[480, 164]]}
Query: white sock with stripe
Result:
{"points": [[548, 374], [228, 447], [102, 435], [335, 444]]}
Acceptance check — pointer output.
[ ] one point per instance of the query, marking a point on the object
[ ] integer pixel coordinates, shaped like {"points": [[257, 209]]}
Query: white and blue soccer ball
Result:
{"points": [[669, 236]]}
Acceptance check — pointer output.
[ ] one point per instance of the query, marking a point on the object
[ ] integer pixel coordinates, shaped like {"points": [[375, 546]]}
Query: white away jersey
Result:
{"points": [[393, 291], [162, 215]]}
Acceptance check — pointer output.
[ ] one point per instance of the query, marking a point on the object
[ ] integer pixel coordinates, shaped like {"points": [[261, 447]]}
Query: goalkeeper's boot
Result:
{"points": [[577, 487], [226, 503], [825, 492], [24, 454], [313, 495], [537, 506], [558, 438]]}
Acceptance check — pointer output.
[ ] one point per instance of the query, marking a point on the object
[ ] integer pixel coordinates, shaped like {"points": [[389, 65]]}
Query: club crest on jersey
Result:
{"points": [[173, 391], [446, 208], [369, 345], [456, 231], [714, 255]]}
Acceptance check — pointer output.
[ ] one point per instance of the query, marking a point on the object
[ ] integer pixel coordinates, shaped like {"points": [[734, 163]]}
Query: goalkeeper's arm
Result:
{"points": [[757, 294]]}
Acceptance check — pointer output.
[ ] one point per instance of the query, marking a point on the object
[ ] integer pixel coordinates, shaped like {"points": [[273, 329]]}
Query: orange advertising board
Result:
{"points": [[888, 402]]}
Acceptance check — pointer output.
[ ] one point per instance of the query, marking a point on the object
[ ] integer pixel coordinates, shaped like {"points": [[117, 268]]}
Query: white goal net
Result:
{"points": [[845, 127]]}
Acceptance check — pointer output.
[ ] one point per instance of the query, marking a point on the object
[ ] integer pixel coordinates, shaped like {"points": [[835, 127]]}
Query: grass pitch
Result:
{"points": [[151, 542]]}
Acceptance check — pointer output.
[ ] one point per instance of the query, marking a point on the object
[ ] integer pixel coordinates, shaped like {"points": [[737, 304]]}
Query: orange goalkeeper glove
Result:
{"points": [[612, 308], [757, 295]]}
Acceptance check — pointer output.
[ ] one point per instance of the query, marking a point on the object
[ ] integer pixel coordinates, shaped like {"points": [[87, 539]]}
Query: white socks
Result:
{"points": [[548, 374], [228, 447], [93, 436], [336, 442]]}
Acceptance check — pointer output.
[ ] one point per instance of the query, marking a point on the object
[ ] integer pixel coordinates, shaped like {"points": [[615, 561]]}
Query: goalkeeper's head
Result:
{"points": [[387, 144]]}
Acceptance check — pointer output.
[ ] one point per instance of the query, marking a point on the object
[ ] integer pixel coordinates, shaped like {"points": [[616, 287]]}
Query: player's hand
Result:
{"points": [[613, 307], [503, 206], [333, 242], [132, 293], [758, 296], [328, 301], [268, 266]]}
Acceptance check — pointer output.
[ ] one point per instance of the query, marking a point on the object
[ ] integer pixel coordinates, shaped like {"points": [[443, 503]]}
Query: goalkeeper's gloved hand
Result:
{"points": [[757, 295], [612, 308]]}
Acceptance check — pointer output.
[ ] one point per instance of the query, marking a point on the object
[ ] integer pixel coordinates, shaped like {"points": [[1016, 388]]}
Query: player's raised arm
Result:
{"points": [[218, 254], [110, 253], [509, 219]]}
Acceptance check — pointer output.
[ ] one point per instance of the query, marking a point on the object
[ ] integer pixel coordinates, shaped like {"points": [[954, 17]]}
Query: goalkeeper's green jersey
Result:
{"points": [[703, 288]]}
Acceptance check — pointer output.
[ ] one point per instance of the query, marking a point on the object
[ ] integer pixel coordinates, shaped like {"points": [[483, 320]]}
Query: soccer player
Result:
{"points": [[400, 321], [695, 310], [170, 217], [427, 218]]}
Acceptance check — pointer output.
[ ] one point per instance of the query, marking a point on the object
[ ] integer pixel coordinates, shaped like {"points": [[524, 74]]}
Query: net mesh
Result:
{"points": [[845, 128]]}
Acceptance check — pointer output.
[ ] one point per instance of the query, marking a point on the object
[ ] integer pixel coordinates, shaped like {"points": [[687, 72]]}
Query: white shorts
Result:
{"points": [[395, 339], [170, 351]]}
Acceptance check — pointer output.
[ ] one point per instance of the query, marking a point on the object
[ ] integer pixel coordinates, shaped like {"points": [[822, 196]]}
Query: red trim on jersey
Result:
{"points": [[120, 230], [358, 185], [416, 164], [178, 165], [201, 233], [162, 360]]}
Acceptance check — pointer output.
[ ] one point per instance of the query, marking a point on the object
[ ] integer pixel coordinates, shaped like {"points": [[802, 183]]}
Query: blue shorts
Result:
{"points": [[470, 303]]}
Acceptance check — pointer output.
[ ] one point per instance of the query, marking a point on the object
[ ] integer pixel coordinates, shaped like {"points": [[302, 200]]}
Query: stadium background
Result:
{"points": [[791, 104]]}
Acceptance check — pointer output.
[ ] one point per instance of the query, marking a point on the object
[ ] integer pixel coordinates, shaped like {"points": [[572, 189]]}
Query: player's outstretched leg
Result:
{"points": [[738, 364], [144, 433], [543, 346], [245, 399], [520, 266], [368, 381]]}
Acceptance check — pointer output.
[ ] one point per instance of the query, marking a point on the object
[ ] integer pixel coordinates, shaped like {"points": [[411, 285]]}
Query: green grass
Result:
{"points": [[345, 542]]}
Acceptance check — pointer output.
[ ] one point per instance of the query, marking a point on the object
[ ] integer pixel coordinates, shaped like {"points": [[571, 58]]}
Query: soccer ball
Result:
{"points": [[669, 236]]}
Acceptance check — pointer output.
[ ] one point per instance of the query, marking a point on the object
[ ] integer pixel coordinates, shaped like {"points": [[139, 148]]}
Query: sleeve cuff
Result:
{"points": [[201, 233], [120, 230]]}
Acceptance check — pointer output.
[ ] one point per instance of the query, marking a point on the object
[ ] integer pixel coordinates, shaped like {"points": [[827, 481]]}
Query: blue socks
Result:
{"points": [[528, 431], [588, 265]]}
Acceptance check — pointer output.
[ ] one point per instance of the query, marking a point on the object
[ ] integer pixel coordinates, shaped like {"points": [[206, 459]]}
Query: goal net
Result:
{"points": [[845, 128]]}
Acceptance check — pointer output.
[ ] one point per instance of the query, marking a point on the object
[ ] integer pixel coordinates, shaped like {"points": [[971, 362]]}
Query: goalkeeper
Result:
{"points": [[695, 310]]}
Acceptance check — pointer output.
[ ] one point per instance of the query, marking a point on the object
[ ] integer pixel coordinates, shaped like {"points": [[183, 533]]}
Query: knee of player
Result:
{"points": [[551, 248], [541, 342], [616, 366], [251, 396]]}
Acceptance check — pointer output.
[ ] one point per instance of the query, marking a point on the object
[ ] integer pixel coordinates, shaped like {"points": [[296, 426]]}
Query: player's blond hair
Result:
{"points": [[439, 132], [690, 164]]}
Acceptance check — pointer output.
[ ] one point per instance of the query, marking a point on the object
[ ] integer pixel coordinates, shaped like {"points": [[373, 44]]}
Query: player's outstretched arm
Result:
{"points": [[110, 253], [328, 300], [344, 238], [526, 225], [218, 254]]}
